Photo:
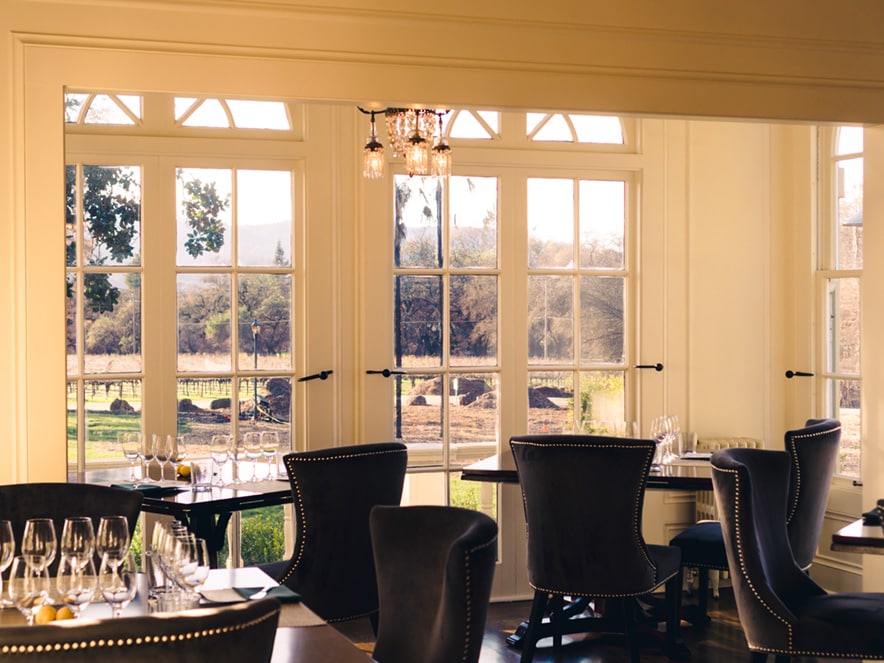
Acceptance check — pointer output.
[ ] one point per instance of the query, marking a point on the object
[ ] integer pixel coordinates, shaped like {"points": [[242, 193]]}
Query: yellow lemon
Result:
{"points": [[184, 470], [64, 612], [45, 615]]}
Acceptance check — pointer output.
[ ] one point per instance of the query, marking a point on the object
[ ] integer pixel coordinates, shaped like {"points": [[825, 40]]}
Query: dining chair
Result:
{"points": [[783, 611], [240, 633], [59, 500], [435, 566], [813, 451], [583, 497], [334, 491]]}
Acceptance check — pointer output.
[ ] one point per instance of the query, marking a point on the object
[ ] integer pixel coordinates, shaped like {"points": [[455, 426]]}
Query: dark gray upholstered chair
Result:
{"points": [[583, 498], [239, 633], [435, 566], [782, 610], [57, 501], [334, 491], [813, 451]]}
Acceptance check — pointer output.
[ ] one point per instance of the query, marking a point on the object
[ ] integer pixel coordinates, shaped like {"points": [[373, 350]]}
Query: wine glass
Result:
{"points": [[191, 562], [112, 538], [76, 583], [179, 452], [147, 455], [270, 448], [162, 451], [251, 444], [29, 584], [235, 449], [39, 539], [118, 580], [129, 444], [219, 448], [7, 552], [78, 539]]}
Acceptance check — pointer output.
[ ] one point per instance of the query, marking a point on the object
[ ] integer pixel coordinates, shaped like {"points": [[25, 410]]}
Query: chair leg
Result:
{"points": [[675, 647], [703, 597], [535, 621], [628, 607], [555, 608]]}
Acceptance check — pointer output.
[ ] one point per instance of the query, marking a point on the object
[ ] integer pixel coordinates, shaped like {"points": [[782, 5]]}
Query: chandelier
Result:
{"points": [[414, 134]]}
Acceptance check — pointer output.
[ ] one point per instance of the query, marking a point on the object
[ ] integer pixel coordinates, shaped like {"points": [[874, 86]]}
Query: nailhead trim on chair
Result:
{"points": [[469, 594], [742, 560], [302, 518], [797, 467], [637, 507], [107, 643]]}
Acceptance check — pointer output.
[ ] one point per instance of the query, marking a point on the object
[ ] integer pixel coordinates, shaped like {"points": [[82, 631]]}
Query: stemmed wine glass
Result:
{"points": [[29, 584], [76, 583], [191, 560], [38, 540], [179, 452], [118, 580], [219, 448], [78, 539], [270, 448], [251, 445], [7, 552], [162, 451], [112, 539], [129, 444], [147, 455], [235, 449]]}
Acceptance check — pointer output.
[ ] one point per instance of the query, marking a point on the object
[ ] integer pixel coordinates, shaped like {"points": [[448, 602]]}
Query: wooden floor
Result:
{"points": [[720, 642]]}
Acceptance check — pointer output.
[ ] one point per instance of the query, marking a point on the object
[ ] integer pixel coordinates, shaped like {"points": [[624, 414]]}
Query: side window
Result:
{"points": [[840, 276]]}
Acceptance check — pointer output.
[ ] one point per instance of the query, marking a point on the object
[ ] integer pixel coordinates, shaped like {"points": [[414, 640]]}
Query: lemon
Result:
{"points": [[64, 612], [45, 615], [184, 471]]}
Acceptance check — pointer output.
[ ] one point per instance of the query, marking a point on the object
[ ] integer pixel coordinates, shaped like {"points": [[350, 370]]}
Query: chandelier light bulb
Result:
{"points": [[373, 155]]}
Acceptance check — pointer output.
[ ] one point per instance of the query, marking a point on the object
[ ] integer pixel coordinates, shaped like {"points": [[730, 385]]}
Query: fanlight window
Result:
{"points": [[573, 128], [101, 108], [231, 113], [472, 125]]}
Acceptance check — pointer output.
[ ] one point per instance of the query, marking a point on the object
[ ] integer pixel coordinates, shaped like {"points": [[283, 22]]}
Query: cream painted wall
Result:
{"points": [[802, 59]]}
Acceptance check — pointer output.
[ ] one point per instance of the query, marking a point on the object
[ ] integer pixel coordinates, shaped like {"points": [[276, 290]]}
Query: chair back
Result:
{"points": [[334, 490], [435, 566], [59, 500], [814, 452], [240, 633], [583, 498], [751, 490]]}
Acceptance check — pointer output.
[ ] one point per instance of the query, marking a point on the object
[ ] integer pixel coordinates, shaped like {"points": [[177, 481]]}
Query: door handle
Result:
{"points": [[387, 372], [798, 374], [322, 375], [657, 367]]}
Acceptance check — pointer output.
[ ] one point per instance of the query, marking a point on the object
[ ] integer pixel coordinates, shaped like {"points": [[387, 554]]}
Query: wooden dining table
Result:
{"points": [[858, 537], [301, 635]]}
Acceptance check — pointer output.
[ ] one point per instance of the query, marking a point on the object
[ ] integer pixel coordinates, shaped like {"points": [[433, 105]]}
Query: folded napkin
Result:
{"points": [[872, 517], [149, 488], [235, 594]]}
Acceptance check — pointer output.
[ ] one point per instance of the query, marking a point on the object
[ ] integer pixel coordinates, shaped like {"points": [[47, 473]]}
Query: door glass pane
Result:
{"points": [[418, 210], [264, 218], [473, 221], [602, 403], [550, 223], [204, 322], [112, 322], [418, 417], [846, 408], [550, 319], [204, 409], [475, 495], [112, 406], [473, 412], [844, 325], [849, 233], [602, 222], [267, 300], [418, 301], [601, 319], [551, 402], [203, 204], [111, 215], [473, 320]]}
